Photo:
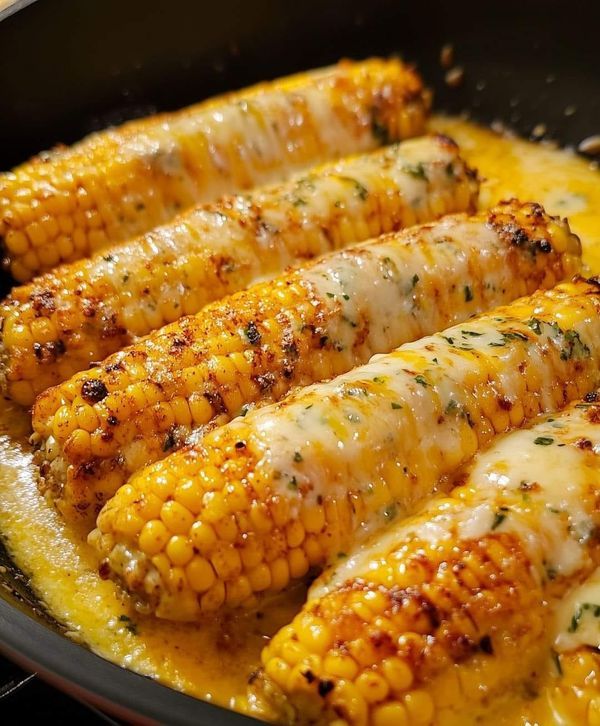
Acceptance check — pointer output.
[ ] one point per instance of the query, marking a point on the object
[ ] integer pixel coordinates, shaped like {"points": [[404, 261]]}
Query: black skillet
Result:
{"points": [[68, 67]]}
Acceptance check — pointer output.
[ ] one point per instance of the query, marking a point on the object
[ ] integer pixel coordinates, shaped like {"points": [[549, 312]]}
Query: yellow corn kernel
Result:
{"points": [[200, 574], [390, 714], [179, 550], [153, 537], [176, 518]]}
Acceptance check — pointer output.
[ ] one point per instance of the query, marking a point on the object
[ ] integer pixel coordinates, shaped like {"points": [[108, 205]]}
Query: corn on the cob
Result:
{"points": [[78, 314], [573, 694], [438, 617], [262, 498], [64, 204], [304, 326]]}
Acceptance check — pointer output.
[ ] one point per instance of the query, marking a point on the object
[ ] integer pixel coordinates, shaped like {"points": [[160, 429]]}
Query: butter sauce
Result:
{"points": [[212, 661]]}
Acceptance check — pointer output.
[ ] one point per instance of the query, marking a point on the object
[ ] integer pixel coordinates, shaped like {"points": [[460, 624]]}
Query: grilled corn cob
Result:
{"points": [[64, 204], [448, 610], [304, 326], [261, 499], [80, 313], [573, 695]]}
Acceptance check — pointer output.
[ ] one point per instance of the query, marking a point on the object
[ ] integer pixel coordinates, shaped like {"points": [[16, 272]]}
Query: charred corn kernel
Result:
{"points": [[139, 429], [362, 421], [86, 311], [214, 597], [474, 571], [121, 182]]}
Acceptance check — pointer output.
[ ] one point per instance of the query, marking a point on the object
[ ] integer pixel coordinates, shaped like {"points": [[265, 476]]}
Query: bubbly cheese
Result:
{"points": [[214, 662]]}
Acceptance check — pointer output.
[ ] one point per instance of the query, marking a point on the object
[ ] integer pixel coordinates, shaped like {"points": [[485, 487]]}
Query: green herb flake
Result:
{"points": [[390, 512], [556, 658], [396, 406], [330, 294], [297, 457], [415, 279], [468, 294], [543, 441], [346, 297], [470, 333], [415, 170], [499, 517], [536, 325], [293, 483], [421, 381]]}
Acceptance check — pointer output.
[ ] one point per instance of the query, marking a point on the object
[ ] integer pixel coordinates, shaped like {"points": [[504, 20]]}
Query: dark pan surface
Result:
{"points": [[68, 67]]}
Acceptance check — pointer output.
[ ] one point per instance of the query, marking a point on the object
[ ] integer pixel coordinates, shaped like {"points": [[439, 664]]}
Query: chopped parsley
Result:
{"points": [[390, 512], [579, 613], [415, 170], [468, 294], [543, 440], [415, 279], [421, 380], [396, 406], [297, 457], [536, 325], [499, 517]]}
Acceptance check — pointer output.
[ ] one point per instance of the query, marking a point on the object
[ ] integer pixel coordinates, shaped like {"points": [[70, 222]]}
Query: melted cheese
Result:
{"points": [[213, 662]]}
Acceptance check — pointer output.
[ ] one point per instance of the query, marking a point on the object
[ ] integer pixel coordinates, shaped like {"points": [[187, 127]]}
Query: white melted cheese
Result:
{"points": [[405, 409], [577, 620], [538, 492], [289, 214]]}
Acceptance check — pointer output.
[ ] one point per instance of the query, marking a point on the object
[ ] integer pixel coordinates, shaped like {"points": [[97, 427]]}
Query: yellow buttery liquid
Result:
{"points": [[213, 660]]}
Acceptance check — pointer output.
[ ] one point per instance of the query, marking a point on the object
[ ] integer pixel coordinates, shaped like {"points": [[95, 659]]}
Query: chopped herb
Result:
{"points": [[498, 344], [415, 170], [390, 512], [451, 406], [415, 279], [124, 618], [361, 191], [378, 379], [435, 360], [341, 555], [470, 333], [536, 325], [591, 607], [421, 380], [513, 335], [379, 130], [582, 405], [448, 340], [108, 258], [245, 409], [299, 202], [293, 483], [468, 294], [543, 440], [310, 405], [297, 457], [396, 406], [126, 277], [556, 659], [450, 170], [576, 348], [346, 297], [499, 517], [330, 294]]}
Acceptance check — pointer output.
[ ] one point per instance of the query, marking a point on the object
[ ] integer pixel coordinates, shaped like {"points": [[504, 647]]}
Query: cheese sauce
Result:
{"points": [[213, 661]]}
